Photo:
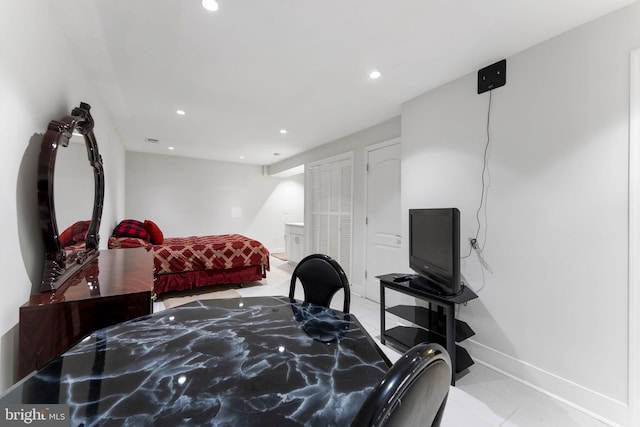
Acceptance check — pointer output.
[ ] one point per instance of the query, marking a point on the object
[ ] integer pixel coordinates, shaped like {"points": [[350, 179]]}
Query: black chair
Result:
{"points": [[321, 277], [413, 392]]}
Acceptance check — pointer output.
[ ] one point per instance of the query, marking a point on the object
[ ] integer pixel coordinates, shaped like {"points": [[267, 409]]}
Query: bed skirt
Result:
{"points": [[195, 279]]}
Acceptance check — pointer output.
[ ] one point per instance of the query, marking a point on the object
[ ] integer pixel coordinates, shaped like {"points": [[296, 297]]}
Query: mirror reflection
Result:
{"points": [[73, 193]]}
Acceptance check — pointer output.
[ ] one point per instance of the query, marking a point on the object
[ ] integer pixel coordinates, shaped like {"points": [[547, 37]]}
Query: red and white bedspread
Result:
{"points": [[201, 253]]}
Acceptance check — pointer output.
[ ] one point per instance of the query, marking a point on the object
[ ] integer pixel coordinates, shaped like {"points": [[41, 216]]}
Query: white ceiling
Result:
{"points": [[257, 66]]}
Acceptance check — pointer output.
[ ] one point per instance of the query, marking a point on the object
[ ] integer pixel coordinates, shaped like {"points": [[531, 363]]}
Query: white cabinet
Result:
{"points": [[329, 226], [294, 241]]}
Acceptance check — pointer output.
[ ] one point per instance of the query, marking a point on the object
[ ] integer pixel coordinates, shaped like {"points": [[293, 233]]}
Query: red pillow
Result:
{"points": [[131, 228], [75, 233], [154, 231], [80, 237], [66, 237]]}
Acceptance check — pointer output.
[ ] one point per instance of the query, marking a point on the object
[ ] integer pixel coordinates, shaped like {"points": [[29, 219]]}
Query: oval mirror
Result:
{"points": [[70, 232]]}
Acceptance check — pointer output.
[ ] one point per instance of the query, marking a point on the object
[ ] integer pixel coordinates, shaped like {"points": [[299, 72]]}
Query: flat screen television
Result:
{"points": [[434, 250]]}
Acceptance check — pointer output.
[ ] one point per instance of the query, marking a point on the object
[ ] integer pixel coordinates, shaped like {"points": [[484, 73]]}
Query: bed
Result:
{"points": [[183, 263]]}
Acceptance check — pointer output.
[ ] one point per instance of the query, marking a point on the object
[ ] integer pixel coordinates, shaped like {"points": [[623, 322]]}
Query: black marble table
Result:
{"points": [[237, 362]]}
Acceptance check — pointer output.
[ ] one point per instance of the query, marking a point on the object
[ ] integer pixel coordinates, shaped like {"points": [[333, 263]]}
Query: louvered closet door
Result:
{"points": [[331, 205]]}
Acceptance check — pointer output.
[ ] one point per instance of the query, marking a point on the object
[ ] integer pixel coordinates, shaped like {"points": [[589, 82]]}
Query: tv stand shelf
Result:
{"points": [[439, 326], [431, 320]]}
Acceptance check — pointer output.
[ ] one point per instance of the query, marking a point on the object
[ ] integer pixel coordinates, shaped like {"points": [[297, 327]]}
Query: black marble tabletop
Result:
{"points": [[235, 362]]}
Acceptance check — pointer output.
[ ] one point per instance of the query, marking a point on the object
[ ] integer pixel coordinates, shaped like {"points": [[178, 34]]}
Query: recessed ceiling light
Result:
{"points": [[210, 5], [242, 157], [170, 148], [180, 112], [375, 74], [283, 131]]}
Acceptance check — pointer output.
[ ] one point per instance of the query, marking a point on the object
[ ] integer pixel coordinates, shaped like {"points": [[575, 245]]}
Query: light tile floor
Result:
{"points": [[481, 398]]}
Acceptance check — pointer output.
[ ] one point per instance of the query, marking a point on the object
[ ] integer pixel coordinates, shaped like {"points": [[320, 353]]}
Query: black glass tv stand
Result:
{"points": [[431, 325], [423, 284]]}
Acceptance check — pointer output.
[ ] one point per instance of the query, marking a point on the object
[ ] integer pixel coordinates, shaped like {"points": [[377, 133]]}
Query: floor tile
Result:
{"points": [[366, 316], [158, 306], [456, 415], [551, 415], [484, 403]]}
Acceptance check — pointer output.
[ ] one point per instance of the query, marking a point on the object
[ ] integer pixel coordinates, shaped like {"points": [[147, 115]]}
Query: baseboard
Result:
{"points": [[593, 403]]}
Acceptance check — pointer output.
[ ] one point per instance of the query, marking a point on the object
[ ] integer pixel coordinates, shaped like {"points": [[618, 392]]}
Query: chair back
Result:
{"points": [[413, 392], [321, 277]]}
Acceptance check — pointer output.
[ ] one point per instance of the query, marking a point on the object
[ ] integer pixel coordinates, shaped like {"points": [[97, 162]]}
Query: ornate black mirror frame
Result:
{"points": [[59, 263]]}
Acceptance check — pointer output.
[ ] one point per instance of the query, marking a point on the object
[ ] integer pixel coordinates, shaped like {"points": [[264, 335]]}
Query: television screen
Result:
{"points": [[434, 249]]}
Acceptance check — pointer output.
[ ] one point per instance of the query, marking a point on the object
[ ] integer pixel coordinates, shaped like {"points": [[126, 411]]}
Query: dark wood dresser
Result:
{"points": [[115, 286]]}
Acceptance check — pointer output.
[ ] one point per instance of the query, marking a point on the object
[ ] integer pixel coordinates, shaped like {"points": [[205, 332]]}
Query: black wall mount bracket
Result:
{"points": [[493, 76]]}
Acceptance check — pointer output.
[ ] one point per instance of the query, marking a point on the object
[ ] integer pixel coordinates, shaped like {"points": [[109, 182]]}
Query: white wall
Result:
{"points": [[38, 83], [284, 204], [554, 312], [355, 143], [187, 197]]}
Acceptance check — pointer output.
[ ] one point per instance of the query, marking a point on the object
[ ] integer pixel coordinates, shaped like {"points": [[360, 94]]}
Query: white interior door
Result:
{"points": [[383, 216]]}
